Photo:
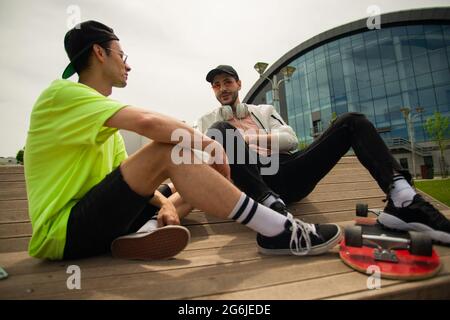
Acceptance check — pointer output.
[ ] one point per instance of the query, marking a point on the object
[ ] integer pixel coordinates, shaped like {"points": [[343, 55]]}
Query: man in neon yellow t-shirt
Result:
{"points": [[86, 197]]}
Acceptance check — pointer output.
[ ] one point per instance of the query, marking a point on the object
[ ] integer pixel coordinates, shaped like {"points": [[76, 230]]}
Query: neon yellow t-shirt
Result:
{"points": [[68, 151]]}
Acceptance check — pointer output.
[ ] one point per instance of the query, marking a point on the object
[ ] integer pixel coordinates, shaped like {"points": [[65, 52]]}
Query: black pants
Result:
{"points": [[300, 172], [107, 211]]}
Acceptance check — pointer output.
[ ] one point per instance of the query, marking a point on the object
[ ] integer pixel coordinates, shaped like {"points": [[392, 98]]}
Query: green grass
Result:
{"points": [[438, 189]]}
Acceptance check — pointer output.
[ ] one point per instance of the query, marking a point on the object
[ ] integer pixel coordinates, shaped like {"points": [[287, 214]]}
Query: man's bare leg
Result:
{"points": [[198, 184], [206, 189]]}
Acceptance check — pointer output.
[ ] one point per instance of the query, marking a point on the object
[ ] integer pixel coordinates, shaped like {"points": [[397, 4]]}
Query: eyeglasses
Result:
{"points": [[122, 54]]}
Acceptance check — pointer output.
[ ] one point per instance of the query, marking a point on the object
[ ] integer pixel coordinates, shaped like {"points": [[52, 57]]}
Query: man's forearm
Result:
{"points": [[158, 199], [166, 129], [183, 208]]}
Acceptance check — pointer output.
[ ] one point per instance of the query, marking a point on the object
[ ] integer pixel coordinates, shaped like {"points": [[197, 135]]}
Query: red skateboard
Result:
{"points": [[369, 246]]}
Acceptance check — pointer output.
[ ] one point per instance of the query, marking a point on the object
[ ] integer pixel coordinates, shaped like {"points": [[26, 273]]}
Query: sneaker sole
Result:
{"points": [[163, 243], [392, 222], [316, 250]]}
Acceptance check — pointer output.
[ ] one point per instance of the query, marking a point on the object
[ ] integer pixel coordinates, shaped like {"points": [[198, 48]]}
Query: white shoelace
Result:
{"points": [[296, 240]]}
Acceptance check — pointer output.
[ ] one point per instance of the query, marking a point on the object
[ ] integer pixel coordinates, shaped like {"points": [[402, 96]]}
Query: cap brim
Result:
{"points": [[68, 72]]}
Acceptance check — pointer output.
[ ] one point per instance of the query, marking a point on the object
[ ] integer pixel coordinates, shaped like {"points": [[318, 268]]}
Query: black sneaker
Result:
{"points": [[300, 238], [420, 216], [280, 208]]}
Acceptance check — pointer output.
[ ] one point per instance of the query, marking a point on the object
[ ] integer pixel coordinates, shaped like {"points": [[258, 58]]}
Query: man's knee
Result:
{"points": [[352, 118], [220, 130], [222, 126], [156, 151]]}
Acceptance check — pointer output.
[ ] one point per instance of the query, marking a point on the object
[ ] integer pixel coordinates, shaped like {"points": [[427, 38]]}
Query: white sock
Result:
{"points": [[150, 225], [402, 194], [270, 200], [257, 217]]}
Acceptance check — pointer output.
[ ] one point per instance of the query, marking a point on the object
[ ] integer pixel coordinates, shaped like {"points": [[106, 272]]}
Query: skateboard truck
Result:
{"points": [[417, 244], [384, 244]]}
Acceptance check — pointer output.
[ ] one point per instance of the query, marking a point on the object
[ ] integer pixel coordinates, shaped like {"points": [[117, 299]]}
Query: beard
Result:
{"points": [[234, 97]]}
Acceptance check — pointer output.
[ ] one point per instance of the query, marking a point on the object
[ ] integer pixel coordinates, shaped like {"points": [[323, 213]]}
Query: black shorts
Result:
{"points": [[107, 211]]}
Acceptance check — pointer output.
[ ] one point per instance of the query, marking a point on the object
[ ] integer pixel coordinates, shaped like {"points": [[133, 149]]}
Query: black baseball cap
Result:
{"points": [[81, 38], [221, 69]]}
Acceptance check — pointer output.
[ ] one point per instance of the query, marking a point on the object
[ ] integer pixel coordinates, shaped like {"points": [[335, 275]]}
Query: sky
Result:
{"points": [[171, 44]]}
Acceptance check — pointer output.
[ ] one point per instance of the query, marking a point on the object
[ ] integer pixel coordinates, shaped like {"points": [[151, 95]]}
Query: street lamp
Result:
{"points": [[287, 72], [407, 114]]}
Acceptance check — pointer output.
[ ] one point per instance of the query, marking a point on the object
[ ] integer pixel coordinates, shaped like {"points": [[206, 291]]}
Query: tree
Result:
{"points": [[19, 156], [437, 128]]}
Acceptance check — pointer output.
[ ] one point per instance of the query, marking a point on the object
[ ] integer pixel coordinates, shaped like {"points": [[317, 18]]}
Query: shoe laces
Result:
{"points": [[301, 231]]}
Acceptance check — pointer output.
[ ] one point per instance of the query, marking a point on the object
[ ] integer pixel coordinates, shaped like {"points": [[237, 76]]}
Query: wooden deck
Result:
{"points": [[221, 262]]}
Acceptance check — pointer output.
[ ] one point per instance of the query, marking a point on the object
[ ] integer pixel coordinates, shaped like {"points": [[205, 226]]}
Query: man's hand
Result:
{"points": [[168, 215]]}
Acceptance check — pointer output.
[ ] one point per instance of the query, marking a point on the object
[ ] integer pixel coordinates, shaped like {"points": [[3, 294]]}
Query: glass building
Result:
{"points": [[405, 63]]}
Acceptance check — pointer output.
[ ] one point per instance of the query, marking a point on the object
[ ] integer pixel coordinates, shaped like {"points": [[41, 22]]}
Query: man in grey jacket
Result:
{"points": [[256, 136]]}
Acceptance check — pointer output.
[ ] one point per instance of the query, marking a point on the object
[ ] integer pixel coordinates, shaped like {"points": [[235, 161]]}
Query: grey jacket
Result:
{"points": [[266, 117]]}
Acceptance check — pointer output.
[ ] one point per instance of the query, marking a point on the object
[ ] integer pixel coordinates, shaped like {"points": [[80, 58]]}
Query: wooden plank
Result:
{"points": [[13, 185], [12, 177], [11, 169], [15, 229], [17, 190], [346, 186], [435, 288], [346, 178], [12, 194], [304, 278], [14, 216], [13, 205], [320, 287], [108, 275], [177, 283], [14, 244]]}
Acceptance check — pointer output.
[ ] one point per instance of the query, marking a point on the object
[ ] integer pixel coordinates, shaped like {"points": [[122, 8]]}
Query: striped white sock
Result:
{"points": [[257, 217]]}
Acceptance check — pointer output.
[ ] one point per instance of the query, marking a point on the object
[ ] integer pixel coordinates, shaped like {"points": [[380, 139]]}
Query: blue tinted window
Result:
{"points": [[365, 94], [395, 102], [408, 84], [424, 81], [441, 77], [418, 45], [393, 88], [376, 72], [390, 73], [415, 29], [376, 77], [378, 91], [410, 98], [443, 95], [438, 59], [427, 98], [421, 65], [398, 31]]}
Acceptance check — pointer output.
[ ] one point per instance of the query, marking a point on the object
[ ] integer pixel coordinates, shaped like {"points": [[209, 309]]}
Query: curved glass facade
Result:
{"points": [[375, 72]]}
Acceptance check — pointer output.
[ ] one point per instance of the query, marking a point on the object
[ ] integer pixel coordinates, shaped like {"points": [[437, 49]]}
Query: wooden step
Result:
{"points": [[222, 271]]}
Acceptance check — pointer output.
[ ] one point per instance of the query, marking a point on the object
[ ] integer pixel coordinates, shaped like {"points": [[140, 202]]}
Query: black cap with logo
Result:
{"points": [[221, 69], [81, 38]]}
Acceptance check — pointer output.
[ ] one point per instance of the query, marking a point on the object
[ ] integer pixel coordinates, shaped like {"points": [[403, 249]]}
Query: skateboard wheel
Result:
{"points": [[362, 209], [353, 236], [421, 244]]}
